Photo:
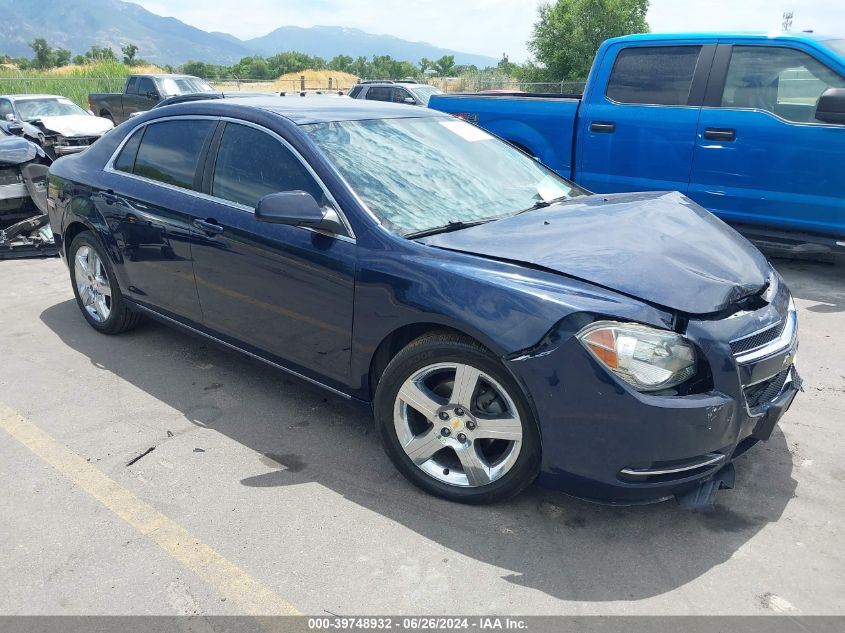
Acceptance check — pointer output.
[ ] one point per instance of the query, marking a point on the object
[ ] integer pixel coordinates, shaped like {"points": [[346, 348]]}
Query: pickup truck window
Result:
{"points": [[250, 164], [132, 86], [653, 75], [5, 108], [170, 150], [784, 81], [146, 85]]}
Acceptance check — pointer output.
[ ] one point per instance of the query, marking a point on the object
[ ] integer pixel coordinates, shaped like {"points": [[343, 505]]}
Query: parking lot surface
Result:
{"points": [[264, 494]]}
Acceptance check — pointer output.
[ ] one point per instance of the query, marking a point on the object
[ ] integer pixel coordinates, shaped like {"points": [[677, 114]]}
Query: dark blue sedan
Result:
{"points": [[501, 322]]}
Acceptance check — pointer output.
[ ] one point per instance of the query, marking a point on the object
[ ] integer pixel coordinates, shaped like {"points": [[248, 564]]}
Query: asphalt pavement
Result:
{"points": [[263, 494]]}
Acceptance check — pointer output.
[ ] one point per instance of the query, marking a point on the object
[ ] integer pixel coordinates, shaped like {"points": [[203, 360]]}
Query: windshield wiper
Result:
{"points": [[452, 225], [542, 204]]}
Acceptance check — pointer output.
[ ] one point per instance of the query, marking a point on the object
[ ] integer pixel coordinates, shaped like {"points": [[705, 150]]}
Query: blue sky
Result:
{"points": [[488, 27]]}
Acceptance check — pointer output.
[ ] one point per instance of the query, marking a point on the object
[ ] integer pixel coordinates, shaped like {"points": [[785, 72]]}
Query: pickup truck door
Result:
{"points": [[637, 127], [761, 156], [285, 291], [138, 100]]}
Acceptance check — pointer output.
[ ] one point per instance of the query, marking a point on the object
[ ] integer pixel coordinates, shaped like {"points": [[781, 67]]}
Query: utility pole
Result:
{"points": [[787, 21]]}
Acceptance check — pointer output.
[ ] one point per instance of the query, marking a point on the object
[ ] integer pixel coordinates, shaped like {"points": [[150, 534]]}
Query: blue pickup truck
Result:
{"points": [[752, 127]]}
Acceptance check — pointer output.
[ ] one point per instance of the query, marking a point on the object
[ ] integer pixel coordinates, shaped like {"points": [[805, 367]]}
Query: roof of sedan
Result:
{"points": [[318, 109]]}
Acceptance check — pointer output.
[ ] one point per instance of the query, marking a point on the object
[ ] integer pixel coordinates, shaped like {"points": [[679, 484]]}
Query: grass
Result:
{"points": [[73, 82]]}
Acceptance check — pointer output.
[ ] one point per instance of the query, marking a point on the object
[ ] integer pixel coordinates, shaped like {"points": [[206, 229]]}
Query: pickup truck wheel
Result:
{"points": [[96, 289], [455, 422]]}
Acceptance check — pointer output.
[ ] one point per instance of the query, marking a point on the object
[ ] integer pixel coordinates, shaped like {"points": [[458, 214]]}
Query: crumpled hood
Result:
{"points": [[659, 247], [77, 125], [15, 150]]}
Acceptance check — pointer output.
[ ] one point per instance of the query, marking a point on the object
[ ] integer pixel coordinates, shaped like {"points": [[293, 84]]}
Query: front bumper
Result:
{"points": [[604, 441]]}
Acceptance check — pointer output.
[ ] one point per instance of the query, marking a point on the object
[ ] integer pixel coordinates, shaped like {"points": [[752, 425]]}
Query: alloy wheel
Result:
{"points": [[458, 424], [92, 283]]}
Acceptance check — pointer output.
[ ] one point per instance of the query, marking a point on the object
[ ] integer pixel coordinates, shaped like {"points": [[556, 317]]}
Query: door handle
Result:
{"points": [[209, 226], [720, 134], [603, 126]]}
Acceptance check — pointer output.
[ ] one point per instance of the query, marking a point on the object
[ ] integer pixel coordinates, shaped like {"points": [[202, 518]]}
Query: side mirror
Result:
{"points": [[831, 106], [10, 117], [153, 96], [297, 208], [409, 101]]}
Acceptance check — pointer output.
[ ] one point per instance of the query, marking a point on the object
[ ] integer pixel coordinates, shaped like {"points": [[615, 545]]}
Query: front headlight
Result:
{"points": [[646, 358]]}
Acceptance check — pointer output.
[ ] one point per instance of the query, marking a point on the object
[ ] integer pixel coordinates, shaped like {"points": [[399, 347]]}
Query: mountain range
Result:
{"points": [[79, 24]]}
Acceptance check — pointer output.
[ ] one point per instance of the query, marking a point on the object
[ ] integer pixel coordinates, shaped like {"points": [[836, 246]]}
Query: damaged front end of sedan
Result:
{"points": [[24, 223]]}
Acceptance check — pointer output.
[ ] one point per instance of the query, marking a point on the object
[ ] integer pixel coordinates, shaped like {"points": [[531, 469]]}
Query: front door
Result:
{"points": [[761, 156], [285, 291], [639, 135]]}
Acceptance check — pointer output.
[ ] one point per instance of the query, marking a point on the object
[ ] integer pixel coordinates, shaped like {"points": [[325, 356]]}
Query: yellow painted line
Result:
{"points": [[226, 577]]}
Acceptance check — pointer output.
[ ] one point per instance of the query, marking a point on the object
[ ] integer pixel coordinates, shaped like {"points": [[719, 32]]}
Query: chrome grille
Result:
{"points": [[758, 339], [766, 391]]}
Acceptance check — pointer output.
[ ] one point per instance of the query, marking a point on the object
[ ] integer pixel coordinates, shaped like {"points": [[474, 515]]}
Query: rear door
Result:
{"points": [[637, 128], [761, 156], [379, 93], [149, 206], [285, 291]]}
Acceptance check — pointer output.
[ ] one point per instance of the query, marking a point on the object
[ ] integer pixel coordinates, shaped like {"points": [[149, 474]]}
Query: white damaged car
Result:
{"points": [[54, 122]]}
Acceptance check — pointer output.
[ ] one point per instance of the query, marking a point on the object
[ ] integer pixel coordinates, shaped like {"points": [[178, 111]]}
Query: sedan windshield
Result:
{"points": [[419, 174], [31, 109]]}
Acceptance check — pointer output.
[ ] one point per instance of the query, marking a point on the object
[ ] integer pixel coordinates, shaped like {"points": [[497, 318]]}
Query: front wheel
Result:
{"points": [[455, 422]]}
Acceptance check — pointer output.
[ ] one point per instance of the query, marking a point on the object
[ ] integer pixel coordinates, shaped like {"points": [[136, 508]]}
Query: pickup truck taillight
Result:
{"points": [[90, 104]]}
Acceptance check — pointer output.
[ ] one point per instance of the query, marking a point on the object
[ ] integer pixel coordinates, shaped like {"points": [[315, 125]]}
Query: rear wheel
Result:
{"points": [[455, 422], [95, 287]]}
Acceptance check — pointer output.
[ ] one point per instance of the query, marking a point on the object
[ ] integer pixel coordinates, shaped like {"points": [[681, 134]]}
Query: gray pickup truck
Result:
{"points": [[143, 92]]}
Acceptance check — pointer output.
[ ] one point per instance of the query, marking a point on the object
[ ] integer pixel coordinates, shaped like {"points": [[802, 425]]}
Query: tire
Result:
{"points": [[474, 444], [96, 289]]}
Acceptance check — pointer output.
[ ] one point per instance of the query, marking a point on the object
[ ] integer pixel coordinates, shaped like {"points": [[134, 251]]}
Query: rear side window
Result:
{"points": [[250, 164], [379, 93], [125, 161], [132, 86], [5, 108], [355, 91], [653, 75], [170, 151]]}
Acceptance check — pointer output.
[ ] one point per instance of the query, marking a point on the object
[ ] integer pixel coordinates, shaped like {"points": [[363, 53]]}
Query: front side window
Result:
{"points": [[783, 81], [251, 164], [146, 86], [653, 75], [379, 93], [400, 94], [416, 174], [170, 151]]}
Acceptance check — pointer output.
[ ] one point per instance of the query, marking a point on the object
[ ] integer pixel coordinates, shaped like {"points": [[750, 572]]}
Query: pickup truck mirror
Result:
{"points": [[297, 208], [409, 101], [153, 95], [831, 106]]}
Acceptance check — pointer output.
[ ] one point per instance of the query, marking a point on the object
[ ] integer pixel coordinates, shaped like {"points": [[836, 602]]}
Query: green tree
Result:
{"points": [[129, 51], [61, 57], [445, 66], [44, 55], [341, 63], [425, 64], [568, 33], [100, 54]]}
